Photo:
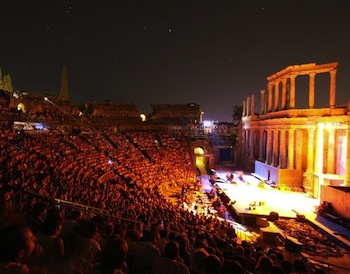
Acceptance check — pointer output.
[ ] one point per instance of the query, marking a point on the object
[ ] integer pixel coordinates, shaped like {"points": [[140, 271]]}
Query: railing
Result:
{"points": [[90, 209]]}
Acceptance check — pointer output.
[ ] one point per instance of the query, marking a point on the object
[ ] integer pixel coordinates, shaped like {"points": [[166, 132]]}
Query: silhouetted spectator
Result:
{"points": [[113, 258], [299, 266], [17, 246], [86, 247], [145, 253], [37, 217], [212, 264], [231, 266], [48, 238], [170, 262], [264, 265]]}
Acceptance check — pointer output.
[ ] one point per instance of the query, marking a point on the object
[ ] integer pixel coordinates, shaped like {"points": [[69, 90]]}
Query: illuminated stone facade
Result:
{"points": [[297, 147], [185, 113], [110, 109], [35, 103]]}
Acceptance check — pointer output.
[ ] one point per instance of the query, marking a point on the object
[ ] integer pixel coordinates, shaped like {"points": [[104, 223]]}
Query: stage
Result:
{"points": [[247, 198]]}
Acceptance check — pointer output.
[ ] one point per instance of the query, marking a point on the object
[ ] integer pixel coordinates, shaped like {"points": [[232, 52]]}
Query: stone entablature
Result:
{"points": [[271, 100]]}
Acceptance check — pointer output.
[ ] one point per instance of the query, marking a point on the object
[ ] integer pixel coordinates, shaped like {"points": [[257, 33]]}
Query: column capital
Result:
{"points": [[292, 76], [312, 74], [276, 82], [333, 72]]}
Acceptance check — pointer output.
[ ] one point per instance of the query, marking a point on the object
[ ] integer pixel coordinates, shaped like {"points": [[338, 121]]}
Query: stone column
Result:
{"points": [[292, 92], [243, 141], [332, 91], [262, 102], [347, 167], [310, 150], [247, 134], [244, 110], [251, 144], [284, 94], [312, 90], [277, 95], [248, 106], [252, 103], [330, 156], [269, 98], [318, 161], [261, 145], [291, 141], [275, 148], [268, 146], [283, 160]]}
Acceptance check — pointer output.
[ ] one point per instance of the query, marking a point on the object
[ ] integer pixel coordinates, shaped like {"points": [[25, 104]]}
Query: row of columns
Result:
{"points": [[272, 146], [273, 94], [277, 147]]}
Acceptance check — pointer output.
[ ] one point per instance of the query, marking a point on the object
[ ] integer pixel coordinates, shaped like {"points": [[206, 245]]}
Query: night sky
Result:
{"points": [[214, 53]]}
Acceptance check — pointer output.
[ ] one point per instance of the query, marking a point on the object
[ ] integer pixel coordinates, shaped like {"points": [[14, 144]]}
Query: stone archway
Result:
{"points": [[202, 156]]}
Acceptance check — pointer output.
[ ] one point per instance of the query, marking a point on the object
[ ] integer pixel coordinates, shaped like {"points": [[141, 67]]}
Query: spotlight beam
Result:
{"points": [[56, 106]]}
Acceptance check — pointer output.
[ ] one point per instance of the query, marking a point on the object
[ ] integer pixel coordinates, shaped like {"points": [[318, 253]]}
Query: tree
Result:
{"points": [[237, 113]]}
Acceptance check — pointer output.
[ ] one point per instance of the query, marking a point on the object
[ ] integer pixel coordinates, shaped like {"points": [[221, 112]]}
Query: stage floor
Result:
{"points": [[267, 199]]}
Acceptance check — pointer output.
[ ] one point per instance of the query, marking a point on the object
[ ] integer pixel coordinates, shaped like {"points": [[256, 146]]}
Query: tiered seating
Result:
{"points": [[122, 173]]}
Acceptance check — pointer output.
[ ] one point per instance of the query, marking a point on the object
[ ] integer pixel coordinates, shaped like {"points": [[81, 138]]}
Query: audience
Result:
{"points": [[136, 229]]}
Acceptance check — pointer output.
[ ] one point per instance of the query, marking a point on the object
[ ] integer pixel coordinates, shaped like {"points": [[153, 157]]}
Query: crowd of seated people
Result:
{"points": [[125, 175], [66, 242], [121, 174], [52, 115]]}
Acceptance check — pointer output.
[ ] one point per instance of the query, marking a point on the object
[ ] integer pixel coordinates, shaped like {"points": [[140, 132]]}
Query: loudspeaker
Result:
{"points": [[273, 216], [293, 245], [301, 218]]}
